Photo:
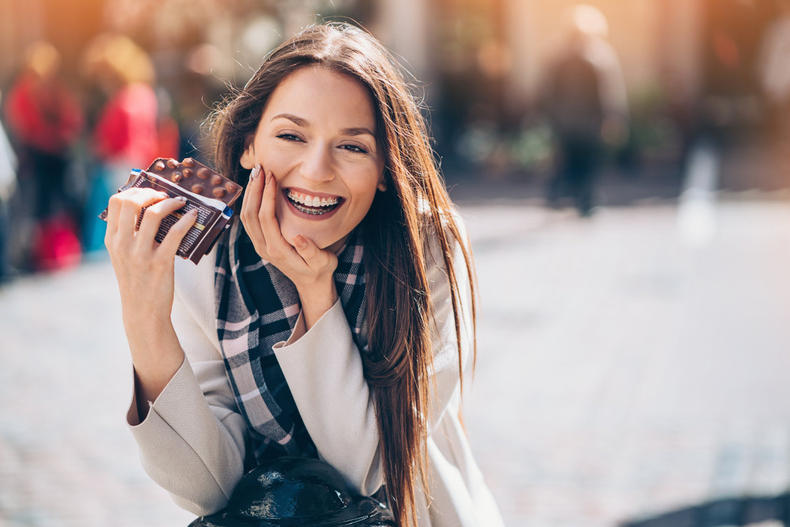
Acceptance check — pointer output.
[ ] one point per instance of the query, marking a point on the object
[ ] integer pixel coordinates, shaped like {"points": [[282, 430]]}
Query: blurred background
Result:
{"points": [[622, 168]]}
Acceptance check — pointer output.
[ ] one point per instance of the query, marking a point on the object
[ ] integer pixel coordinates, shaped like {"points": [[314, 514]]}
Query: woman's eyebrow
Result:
{"points": [[299, 121], [358, 131]]}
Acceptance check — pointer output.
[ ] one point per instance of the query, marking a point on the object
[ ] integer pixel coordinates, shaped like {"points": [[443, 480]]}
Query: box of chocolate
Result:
{"points": [[204, 189]]}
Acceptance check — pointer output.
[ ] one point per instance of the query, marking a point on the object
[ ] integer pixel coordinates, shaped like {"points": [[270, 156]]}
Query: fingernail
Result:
{"points": [[182, 199], [254, 172], [300, 241]]}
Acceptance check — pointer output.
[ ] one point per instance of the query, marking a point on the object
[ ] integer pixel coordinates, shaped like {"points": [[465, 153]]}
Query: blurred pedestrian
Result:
{"points": [[584, 97], [8, 167], [45, 120], [126, 133], [774, 70]]}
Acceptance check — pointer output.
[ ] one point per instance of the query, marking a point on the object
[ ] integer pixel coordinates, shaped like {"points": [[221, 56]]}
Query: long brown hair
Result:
{"points": [[396, 232]]}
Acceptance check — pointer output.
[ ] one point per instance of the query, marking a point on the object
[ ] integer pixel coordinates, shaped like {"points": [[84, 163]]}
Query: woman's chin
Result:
{"points": [[290, 232]]}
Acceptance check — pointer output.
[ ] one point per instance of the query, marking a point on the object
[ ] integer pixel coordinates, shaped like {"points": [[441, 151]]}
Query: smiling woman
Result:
{"points": [[335, 320], [324, 160]]}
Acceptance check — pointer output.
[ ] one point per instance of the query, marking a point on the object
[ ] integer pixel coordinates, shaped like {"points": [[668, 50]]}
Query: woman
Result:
{"points": [[334, 319]]}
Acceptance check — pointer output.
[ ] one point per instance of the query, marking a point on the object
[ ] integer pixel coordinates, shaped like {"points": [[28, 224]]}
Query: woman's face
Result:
{"points": [[317, 138]]}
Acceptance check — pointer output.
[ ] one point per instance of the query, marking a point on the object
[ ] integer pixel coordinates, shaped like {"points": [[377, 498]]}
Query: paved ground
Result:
{"points": [[622, 373]]}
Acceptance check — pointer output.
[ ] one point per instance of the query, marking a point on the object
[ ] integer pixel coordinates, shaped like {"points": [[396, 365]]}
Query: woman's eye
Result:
{"points": [[289, 137], [354, 148]]}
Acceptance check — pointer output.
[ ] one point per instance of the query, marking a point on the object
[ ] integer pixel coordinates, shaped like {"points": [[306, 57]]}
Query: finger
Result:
{"points": [[113, 212], [307, 249], [153, 216], [172, 239], [276, 244], [133, 200], [251, 204], [116, 201], [315, 257]]}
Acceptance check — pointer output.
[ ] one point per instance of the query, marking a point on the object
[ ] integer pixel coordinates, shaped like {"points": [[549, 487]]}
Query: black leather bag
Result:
{"points": [[294, 491]]}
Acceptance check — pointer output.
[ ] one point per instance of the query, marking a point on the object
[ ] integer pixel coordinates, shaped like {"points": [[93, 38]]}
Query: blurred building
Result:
{"points": [[687, 63], [658, 40], [479, 61]]}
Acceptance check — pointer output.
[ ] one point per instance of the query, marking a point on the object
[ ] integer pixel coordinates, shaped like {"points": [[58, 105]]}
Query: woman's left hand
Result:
{"points": [[309, 267]]}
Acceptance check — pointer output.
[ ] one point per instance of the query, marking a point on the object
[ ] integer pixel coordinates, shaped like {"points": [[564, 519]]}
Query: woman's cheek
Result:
{"points": [[279, 206], [275, 159]]}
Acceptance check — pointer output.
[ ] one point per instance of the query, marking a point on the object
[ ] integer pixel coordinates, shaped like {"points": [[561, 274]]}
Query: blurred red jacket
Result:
{"points": [[127, 128], [43, 114]]}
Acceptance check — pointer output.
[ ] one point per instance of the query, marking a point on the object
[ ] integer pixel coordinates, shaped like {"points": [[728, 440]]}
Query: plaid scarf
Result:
{"points": [[257, 306]]}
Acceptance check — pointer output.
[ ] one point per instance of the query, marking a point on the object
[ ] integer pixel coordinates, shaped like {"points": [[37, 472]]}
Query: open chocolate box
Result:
{"points": [[204, 189]]}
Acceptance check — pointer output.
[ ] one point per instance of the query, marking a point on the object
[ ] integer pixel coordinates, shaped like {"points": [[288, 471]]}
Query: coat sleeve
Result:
{"points": [[191, 442], [325, 374]]}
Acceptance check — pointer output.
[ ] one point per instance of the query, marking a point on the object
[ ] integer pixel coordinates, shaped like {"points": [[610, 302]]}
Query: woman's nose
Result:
{"points": [[317, 165]]}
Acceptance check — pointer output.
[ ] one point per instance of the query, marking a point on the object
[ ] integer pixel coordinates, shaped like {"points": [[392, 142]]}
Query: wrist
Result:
{"points": [[317, 300], [318, 290], [153, 343], [156, 356], [144, 328]]}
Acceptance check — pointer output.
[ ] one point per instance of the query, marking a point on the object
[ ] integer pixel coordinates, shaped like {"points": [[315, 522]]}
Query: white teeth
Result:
{"points": [[311, 201]]}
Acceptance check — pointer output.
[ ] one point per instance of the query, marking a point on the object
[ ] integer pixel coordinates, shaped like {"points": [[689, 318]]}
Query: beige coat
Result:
{"points": [[192, 440]]}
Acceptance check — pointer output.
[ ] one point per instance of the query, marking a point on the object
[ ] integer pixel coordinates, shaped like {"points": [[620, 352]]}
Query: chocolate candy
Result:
{"points": [[204, 189], [197, 178]]}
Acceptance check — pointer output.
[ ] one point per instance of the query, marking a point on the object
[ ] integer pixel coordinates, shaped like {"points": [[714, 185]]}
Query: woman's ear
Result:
{"points": [[248, 156], [382, 184]]}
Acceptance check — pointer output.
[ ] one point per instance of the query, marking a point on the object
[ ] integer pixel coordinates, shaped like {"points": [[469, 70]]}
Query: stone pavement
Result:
{"points": [[621, 374]]}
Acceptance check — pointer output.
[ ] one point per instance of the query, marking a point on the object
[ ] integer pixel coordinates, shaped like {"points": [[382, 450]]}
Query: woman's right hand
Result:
{"points": [[144, 271], [143, 267]]}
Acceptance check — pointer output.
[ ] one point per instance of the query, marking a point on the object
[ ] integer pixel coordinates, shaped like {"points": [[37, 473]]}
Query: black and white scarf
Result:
{"points": [[257, 306]]}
